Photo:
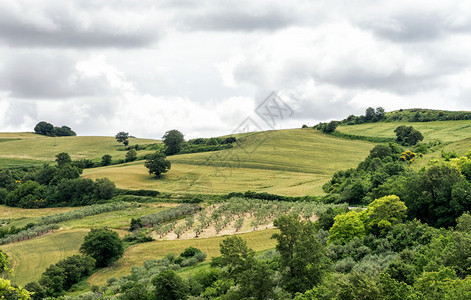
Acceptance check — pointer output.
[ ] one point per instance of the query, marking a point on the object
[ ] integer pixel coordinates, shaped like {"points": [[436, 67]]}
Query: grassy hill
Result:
{"points": [[445, 131], [288, 162], [18, 149]]}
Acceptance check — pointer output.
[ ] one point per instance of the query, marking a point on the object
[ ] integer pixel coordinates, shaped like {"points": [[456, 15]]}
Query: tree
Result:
{"points": [[131, 155], [346, 227], [63, 159], [169, 286], [408, 135], [302, 258], [370, 114], [122, 137], [383, 213], [106, 160], [173, 140], [380, 113], [7, 291], [103, 245], [254, 277], [44, 128], [157, 164], [63, 131]]}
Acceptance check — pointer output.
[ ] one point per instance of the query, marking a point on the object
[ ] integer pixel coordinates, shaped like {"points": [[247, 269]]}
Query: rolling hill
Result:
{"points": [[20, 149], [288, 162]]}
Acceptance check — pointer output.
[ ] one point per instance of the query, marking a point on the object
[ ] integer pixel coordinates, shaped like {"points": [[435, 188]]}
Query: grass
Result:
{"points": [[137, 254], [32, 149], [286, 162], [445, 131], [31, 258]]}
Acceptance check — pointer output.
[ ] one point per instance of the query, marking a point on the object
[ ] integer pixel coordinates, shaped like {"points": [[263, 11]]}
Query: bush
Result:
{"points": [[103, 245]]}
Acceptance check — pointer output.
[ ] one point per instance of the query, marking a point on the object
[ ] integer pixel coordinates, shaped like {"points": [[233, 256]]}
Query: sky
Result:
{"points": [[209, 67]]}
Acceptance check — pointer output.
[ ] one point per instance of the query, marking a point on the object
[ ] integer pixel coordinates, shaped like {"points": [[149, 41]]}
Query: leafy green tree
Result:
{"points": [[63, 159], [464, 222], [122, 137], [44, 128], [103, 245], [302, 258], [63, 131], [383, 213], [106, 160], [157, 164], [27, 195], [131, 155], [346, 227], [408, 135], [169, 286], [173, 140], [254, 277], [370, 114], [7, 291], [437, 196], [104, 188], [37, 290]]}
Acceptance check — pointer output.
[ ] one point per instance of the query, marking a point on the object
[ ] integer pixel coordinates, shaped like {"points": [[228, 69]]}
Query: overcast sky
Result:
{"points": [[204, 66]]}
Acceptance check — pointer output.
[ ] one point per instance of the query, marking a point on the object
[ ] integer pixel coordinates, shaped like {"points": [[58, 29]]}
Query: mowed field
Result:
{"points": [[30, 258], [33, 149], [445, 131], [288, 162]]}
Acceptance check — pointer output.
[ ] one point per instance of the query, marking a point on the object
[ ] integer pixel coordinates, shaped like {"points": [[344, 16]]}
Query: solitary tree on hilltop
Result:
{"points": [[122, 137]]}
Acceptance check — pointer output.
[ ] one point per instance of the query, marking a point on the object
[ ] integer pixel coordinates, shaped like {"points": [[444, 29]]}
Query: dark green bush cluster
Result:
{"points": [[45, 128], [274, 197], [52, 186], [60, 277], [141, 193], [354, 186]]}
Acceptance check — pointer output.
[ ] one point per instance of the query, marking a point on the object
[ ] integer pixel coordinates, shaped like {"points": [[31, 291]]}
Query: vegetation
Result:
{"points": [[157, 164], [45, 128], [122, 137], [407, 135], [103, 245], [173, 140]]}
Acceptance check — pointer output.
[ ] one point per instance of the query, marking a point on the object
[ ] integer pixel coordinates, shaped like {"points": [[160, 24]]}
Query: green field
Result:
{"points": [[287, 162], [32, 149], [136, 255], [30, 258], [445, 131]]}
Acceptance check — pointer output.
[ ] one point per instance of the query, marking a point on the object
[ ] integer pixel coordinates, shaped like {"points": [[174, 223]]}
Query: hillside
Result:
{"points": [[19, 149], [288, 162], [445, 131]]}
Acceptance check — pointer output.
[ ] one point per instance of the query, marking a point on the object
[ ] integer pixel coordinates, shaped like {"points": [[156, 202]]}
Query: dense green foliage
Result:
{"points": [[122, 137], [61, 276], [45, 128], [173, 140], [52, 186], [157, 164], [103, 245], [407, 135], [409, 115]]}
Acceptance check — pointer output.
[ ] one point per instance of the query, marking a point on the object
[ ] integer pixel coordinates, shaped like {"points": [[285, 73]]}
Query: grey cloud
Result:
{"points": [[67, 26], [48, 77], [20, 114], [238, 21]]}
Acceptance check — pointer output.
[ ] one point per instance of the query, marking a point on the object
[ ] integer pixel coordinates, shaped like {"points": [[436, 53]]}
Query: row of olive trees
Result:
{"points": [[28, 233], [167, 215], [236, 212]]}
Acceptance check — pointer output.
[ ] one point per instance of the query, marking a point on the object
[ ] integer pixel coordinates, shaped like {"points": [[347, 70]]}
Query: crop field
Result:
{"points": [[30, 258], [32, 149], [287, 162], [445, 131], [137, 254]]}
